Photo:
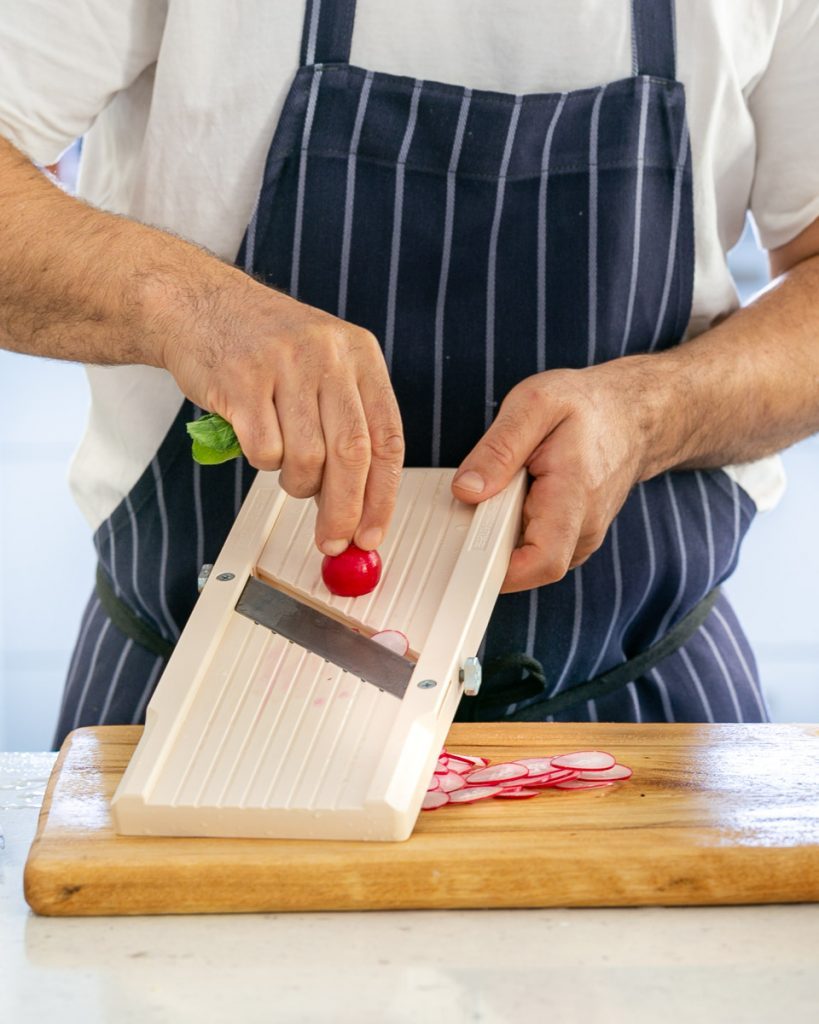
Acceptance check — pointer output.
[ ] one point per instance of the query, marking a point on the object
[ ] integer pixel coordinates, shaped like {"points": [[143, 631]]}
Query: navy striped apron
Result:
{"points": [[483, 237]]}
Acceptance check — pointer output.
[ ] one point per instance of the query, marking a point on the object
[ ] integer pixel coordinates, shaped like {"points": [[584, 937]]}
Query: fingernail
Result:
{"points": [[334, 547], [370, 538], [470, 481]]}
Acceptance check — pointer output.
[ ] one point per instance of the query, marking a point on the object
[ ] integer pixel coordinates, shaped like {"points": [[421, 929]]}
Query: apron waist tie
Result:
{"points": [[594, 689], [127, 621]]}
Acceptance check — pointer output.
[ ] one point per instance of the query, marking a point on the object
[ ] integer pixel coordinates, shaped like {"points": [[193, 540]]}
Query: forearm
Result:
{"points": [[742, 390], [307, 394], [75, 282]]}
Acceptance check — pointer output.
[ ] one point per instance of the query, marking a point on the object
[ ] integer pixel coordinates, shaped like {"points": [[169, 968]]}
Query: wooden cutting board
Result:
{"points": [[713, 815]]}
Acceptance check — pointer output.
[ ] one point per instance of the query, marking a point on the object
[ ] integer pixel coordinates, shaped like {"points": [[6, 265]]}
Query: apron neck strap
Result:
{"points": [[328, 32], [653, 43], [328, 35]]}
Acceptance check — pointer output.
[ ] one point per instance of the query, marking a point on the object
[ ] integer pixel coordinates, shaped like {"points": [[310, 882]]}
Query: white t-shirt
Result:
{"points": [[178, 100]]}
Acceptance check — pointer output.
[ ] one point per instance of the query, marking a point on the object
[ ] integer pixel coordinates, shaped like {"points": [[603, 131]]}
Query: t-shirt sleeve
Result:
{"points": [[62, 61], [784, 104]]}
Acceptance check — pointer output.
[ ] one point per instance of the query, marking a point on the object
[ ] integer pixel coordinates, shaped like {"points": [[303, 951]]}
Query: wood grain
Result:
{"points": [[714, 814]]}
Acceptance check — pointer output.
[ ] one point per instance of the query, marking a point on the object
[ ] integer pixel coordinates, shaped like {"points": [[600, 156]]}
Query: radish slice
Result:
{"points": [[435, 783], [441, 768], [616, 773], [393, 639], [581, 784], [497, 773], [468, 760], [545, 776], [459, 757], [536, 780], [585, 760], [450, 782], [536, 765], [472, 793], [564, 775], [432, 801], [515, 783], [521, 793]]}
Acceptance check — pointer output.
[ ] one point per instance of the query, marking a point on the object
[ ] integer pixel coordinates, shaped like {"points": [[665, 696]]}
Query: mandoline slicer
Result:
{"points": [[314, 730]]}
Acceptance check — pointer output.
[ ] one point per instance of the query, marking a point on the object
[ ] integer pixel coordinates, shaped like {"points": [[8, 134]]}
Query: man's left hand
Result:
{"points": [[580, 436], [743, 389]]}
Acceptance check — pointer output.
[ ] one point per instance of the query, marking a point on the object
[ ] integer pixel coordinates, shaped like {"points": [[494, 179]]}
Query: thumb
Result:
{"points": [[504, 448]]}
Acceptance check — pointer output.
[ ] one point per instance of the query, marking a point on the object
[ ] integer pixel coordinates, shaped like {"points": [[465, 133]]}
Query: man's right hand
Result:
{"points": [[305, 392]]}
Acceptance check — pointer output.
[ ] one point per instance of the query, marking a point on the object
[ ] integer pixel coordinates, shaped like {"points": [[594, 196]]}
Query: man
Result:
{"points": [[477, 221]]}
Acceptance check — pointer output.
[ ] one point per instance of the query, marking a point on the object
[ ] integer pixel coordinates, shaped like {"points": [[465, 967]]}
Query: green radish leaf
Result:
{"points": [[210, 457], [214, 440], [213, 432]]}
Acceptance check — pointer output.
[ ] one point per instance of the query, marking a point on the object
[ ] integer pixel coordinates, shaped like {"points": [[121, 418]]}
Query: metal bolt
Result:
{"points": [[204, 573], [223, 577], [427, 684], [470, 676]]}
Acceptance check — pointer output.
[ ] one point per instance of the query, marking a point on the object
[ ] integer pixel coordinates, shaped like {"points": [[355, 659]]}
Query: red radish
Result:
{"points": [[450, 782], [581, 784], [393, 639], [616, 773], [521, 793], [472, 793], [585, 760], [435, 784], [497, 773], [434, 800], [352, 573]]}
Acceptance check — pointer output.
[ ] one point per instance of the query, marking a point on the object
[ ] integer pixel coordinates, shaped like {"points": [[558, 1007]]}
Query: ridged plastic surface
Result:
{"points": [[418, 555], [251, 735]]}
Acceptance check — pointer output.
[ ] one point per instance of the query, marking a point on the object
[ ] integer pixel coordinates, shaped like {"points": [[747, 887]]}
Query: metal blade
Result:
{"points": [[324, 636]]}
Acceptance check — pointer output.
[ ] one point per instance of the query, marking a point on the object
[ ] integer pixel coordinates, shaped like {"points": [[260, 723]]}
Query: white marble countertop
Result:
{"points": [[720, 964]]}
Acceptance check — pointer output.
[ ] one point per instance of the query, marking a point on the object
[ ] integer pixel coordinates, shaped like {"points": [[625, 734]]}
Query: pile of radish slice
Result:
{"points": [[465, 778]]}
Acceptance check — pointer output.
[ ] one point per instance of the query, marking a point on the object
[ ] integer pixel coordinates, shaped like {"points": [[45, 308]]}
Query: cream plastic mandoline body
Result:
{"points": [[251, 735]]}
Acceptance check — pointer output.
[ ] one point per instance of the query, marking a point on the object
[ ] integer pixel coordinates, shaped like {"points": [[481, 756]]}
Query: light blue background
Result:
{"points": [[46, 558]]}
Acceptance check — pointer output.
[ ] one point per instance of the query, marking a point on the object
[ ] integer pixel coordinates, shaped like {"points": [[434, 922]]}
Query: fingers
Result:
{"points": [[554, 515], [329, 420], [260, 436], [365, 451], [386, 458], [303, 440], [544, 426], [347, 444], [346, 465], [524, 419]]}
